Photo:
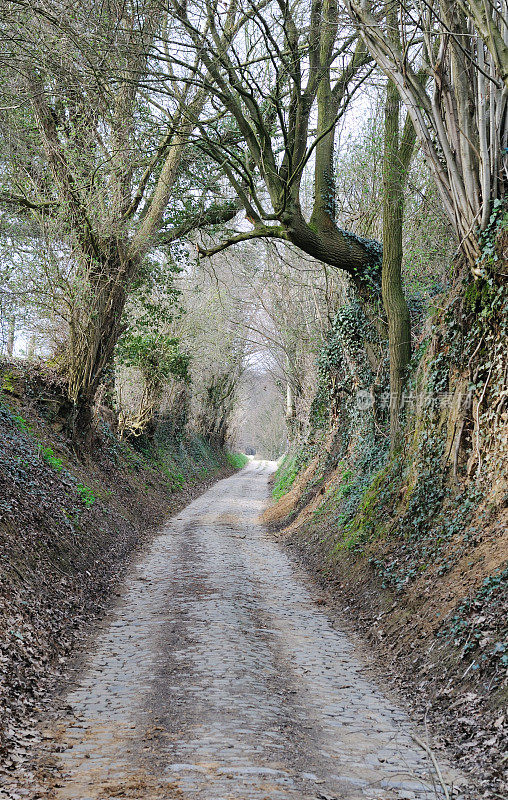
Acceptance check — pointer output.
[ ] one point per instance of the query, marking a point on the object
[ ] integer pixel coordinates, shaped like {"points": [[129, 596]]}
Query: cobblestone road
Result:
{"points": [[216, 676]]}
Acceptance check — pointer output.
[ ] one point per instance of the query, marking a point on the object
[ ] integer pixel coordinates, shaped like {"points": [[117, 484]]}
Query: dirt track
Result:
{"points": [[218, 677]]}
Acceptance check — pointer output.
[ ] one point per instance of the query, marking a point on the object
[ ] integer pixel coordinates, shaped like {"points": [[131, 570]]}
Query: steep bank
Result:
{"points": [[415, 543], [68, 525]]}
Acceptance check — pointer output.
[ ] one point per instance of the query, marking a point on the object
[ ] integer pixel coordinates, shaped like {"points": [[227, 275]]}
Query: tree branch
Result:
{"points": [[259, 232], [25, 202], [215, 215]]}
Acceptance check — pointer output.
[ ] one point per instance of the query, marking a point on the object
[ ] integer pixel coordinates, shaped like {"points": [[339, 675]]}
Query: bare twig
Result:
{"points": [[432, 757]]}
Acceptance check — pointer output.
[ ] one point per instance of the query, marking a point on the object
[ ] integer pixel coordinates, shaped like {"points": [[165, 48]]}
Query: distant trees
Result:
{"points": [[294, 297], [212, 329], [260, 422]]}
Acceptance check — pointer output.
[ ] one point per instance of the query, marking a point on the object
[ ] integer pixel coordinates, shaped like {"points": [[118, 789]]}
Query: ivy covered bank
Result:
{"points": [[416, 538]]}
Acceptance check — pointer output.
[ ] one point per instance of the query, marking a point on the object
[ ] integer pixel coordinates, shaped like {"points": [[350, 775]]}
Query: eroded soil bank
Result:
{"points": [[219, 674]]}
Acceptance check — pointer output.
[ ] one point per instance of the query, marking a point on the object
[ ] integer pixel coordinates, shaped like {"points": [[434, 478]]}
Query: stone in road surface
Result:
{"points": [[217, 677]]}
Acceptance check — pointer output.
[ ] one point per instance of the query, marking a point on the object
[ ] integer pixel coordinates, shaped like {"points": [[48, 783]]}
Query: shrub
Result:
{"points": [[86, 494], [50, 458]]}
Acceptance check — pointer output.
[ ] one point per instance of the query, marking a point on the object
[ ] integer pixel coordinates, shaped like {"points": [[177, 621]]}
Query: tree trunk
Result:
{"points": [[290, 408], [95, 330], [11, 332], [360, 258], [394, 301], [30, 350]]}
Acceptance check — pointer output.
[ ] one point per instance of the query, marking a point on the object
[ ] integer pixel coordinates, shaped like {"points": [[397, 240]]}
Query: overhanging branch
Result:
{"points": [[259, 232]]}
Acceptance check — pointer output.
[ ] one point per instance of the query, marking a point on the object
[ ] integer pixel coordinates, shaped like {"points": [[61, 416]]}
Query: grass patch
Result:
{"points": [[285, 476], [176, 479], [237, 460], [20, 422]]}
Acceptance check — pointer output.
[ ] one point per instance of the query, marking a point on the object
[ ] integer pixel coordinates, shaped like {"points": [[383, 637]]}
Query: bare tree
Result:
{"points": [[285, 78], [459, 112], [490, 18]]}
